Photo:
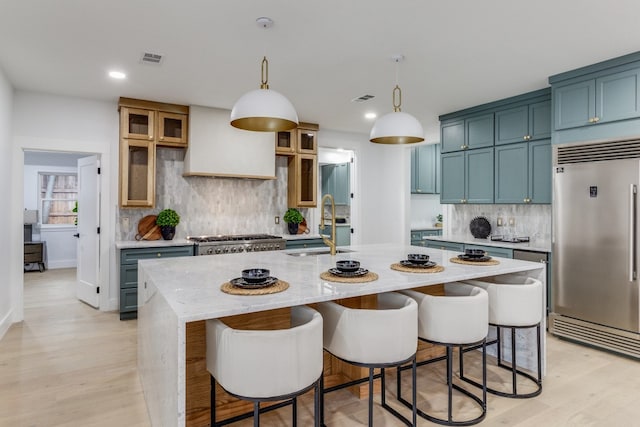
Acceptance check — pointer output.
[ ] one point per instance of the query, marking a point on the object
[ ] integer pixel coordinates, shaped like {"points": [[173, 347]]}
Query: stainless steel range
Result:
{"points": [[226, 244]]}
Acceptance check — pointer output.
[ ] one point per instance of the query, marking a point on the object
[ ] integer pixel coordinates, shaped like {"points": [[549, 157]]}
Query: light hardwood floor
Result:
{"points": [[70, 365]]}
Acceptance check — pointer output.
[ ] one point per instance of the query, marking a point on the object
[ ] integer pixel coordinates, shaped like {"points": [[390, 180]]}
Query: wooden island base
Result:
{"points": [[335, 371]]}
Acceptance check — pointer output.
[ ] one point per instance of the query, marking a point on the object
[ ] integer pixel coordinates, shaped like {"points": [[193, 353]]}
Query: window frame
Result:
{"points": [[41, 199]]}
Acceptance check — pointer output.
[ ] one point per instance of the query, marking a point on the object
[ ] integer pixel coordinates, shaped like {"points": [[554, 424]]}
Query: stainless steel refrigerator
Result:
{"points": [[595, 295]]}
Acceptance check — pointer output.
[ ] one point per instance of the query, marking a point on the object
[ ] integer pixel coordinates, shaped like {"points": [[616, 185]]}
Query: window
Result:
{"points": [[58, 194]]}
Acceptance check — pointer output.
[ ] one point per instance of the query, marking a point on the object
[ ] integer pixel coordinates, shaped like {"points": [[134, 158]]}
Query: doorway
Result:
{"points": [[52, 189], [336, 176]]}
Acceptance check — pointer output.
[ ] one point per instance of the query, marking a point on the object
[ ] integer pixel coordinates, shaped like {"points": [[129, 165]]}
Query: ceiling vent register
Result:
{"points": [[598, 152], [363, 98], [151, 58]]}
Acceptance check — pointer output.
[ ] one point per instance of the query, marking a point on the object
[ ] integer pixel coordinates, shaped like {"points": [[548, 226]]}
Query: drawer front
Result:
{"points": [[30, 248], [416, 235], [301, 244], [493, 251], [131, 256], [449, 246], [128, 276], [128, 300]]}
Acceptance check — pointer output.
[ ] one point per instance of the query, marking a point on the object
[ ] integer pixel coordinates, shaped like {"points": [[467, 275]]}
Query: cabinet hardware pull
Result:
{"points": [[462, 147], [596, 119], [159, 254], [150, 136], [162, 137]]}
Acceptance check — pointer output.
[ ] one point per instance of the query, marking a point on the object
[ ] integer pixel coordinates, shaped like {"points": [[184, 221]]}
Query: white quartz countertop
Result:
{"points": [[129, 244], [301, 236], [191, 285], [534, 245]]}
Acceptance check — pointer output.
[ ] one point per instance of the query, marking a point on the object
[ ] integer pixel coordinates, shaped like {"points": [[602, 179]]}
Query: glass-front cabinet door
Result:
{"points": [[303, 184], [286, 142], [137, 123], [137, 173], [172, 128], [307, 141]]}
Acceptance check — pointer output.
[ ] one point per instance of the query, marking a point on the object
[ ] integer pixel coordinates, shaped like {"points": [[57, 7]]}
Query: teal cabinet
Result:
{"points": [[343, 234], [425, 169], [335, 181], [492, 250], [467, 134], [603, 99], [314, 242], [419, 237], [129, 273], [523, 172], [523, 123], [447, 246], [467, 176]]}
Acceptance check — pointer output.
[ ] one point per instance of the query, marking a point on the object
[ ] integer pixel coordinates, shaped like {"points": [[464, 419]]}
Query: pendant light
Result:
{"points": [[397, 127], [264, 110]]}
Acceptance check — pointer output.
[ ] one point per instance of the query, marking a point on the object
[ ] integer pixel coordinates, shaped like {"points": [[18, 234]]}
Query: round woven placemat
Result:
{"points": [[400, 267], [279, 286], [369, 277], [461, 261]]}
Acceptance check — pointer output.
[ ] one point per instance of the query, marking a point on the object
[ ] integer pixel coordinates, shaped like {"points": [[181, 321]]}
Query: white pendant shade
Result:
{"points": [[397, 128], [264, 110]]}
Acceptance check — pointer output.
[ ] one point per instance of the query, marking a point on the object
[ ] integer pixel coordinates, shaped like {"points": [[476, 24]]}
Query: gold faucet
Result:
{"points": [[329, 242]]}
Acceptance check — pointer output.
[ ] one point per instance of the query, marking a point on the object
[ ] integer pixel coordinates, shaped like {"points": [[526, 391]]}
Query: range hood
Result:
{"points": [[218, 149]]}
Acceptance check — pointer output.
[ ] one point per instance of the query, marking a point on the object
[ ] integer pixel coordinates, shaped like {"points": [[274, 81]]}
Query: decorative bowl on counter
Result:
{"points": [[348, 265], [418, 258], [255, 275]]}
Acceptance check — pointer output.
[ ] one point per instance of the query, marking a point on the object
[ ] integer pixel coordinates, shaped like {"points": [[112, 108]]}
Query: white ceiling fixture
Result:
{"points": [[370, 116], [397, 127], [264, 110], [118, 75]]}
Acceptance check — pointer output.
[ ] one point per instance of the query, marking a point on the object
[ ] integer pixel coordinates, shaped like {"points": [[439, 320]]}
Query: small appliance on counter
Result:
{"points": [[224, 244], [500, 238], [480, 227]]}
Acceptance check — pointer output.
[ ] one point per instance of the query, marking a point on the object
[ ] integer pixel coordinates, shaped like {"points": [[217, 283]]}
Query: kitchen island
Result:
{"points": [[177, 293]]}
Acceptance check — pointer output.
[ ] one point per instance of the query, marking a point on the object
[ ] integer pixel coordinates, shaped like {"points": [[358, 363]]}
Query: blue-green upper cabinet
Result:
{"points": [[479, 175], [425, 161], [453, 177], [327, 182], [342, 187], [540, 172], [478, 131], [511, 173], [452, 136], [606, 93], [523, 123]]}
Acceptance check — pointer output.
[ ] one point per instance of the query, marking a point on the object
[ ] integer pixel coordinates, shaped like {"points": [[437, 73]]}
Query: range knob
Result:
{"points": [[233, 250], [241, 249], [225, 250], [209, 251], [218, 250]]}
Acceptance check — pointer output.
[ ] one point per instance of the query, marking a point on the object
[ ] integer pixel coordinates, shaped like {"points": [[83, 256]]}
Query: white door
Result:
{"points": [[88, 231]]}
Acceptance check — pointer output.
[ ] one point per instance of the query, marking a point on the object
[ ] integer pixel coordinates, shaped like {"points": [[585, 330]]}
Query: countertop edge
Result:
{"points": [[535, 245]]}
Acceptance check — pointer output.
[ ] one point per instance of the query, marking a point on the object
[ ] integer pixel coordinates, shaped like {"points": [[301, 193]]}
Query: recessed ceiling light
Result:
{"points": [[370, 116], [117, 75]]}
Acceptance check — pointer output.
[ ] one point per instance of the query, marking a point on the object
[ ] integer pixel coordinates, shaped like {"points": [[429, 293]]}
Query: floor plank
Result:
{"points": [[68, 365]]}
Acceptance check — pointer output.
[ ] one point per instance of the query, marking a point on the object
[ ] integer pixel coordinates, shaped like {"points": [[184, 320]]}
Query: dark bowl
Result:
{"points": [[418, 258], [474, 253], [348, 265], [255, 275]]}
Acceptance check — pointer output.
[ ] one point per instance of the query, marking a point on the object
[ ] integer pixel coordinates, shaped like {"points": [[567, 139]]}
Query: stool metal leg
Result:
{"points": [[294, 411], [370, 397], [212, 400], [256, 414]]}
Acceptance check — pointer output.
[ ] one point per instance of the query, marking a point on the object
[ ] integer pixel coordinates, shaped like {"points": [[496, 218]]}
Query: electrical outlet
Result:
{"points": [[512, 222], [499, 221], [124, 221], [277, 220]]}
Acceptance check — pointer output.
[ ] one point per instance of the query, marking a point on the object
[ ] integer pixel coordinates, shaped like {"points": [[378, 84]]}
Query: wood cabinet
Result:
{"points": [[523, 172], [335, 181], [300, 145], [472, 132], [425, 169], [523, 123], [145, 125], [467, 176], [129, 273]]}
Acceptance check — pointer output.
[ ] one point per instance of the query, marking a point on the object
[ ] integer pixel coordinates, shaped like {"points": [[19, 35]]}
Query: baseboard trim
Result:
{"points": [[6, 323]]}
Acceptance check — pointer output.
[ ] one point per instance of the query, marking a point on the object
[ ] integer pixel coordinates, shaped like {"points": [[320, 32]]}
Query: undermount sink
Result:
{"points": [[318, 252]]}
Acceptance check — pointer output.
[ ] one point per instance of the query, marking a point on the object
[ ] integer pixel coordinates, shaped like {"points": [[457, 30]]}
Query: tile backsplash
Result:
{"points": [[533, 221], [209, 205]]}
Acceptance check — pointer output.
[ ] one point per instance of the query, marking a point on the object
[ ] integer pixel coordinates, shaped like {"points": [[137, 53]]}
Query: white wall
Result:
{"points": [[424, 208], [57, 123], [7, 297], [381, 192], [60, 243]]}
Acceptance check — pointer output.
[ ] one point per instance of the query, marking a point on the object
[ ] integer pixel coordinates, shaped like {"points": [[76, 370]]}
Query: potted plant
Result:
{"points": [[293, 217], [167, 221], [438, 220]]}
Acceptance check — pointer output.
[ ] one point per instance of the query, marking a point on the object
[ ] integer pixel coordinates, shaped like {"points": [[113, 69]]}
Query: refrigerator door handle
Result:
{"points": [[632, 232]]}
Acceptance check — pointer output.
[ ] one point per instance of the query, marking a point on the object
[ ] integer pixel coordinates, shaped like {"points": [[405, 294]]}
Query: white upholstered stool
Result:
{"points": [[457, 319], [373, 338], [513, 306], [267, 365]]}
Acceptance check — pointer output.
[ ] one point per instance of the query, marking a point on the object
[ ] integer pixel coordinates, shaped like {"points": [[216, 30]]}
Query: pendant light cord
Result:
{"points": [[397, 92]]}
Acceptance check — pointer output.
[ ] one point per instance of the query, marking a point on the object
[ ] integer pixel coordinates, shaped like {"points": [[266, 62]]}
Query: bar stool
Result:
{"points": [[459, 318], [373, 338], [267, 365], [512, 306]]}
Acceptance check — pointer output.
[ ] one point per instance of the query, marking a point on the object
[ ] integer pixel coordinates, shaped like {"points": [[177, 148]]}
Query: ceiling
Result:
{"points": [[322, 54]]}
